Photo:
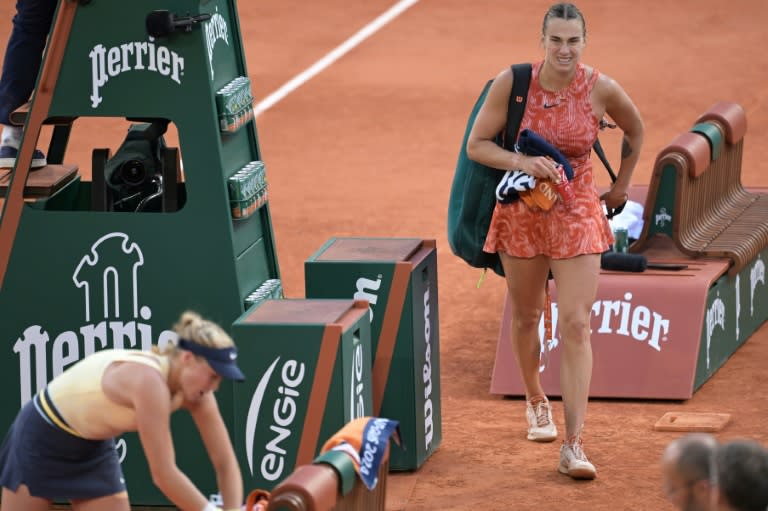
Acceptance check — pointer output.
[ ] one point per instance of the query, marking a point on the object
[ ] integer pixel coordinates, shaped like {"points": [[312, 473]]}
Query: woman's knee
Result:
{"points": [[574, 328], [526, 320]]}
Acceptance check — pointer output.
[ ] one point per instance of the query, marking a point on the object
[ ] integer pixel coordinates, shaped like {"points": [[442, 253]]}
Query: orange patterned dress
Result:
{"points": [[566, 120]]}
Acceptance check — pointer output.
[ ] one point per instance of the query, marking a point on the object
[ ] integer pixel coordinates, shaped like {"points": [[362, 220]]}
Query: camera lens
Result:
{"points": [[133, 173]]}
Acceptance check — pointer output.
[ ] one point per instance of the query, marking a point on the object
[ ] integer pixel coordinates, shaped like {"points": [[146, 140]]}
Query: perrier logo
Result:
{"points": [[113, 316], [107, 63]]}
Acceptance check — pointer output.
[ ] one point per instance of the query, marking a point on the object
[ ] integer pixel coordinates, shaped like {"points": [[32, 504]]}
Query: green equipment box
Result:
{"points": [[309, 373], [398, 278]]}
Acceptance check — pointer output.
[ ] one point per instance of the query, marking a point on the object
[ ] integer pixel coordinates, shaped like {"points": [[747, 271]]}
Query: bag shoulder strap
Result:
{"points": [[518, 97], [601, 154], [603, 158]]}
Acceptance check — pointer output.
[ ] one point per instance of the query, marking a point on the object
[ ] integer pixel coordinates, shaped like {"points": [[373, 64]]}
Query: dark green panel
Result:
{"points": [[736, 307], [663, 210]]}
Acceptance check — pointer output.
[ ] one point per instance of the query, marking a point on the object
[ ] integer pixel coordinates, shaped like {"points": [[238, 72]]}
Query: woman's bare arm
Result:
{"points": [[151, 401], [217, 443], [625, 114]]}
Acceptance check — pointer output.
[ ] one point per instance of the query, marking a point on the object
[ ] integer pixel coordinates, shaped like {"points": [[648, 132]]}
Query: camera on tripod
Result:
{"points": [[141, 176]]}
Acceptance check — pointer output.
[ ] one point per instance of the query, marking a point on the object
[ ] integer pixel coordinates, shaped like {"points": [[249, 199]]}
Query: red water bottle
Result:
{"points": [[564, 188]]}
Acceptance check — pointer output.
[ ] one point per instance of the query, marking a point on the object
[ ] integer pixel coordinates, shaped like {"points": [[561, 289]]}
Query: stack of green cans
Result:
{"points": [[247, 189], [233, 102], [271, 289]]}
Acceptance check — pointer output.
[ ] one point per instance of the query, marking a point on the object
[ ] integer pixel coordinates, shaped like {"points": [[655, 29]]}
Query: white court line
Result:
{"points": [[338, 52]]}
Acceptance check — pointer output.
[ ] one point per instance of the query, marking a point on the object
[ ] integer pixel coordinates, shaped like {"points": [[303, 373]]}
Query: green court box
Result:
{"points": [[308, 374], [398, 277]]}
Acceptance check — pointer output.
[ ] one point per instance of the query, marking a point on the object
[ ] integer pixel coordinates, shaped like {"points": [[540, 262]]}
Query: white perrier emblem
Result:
{"points": [[108, 63]]}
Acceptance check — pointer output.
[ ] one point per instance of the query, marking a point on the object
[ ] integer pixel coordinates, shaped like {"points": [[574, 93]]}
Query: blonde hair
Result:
{"points": [[193, 327]]}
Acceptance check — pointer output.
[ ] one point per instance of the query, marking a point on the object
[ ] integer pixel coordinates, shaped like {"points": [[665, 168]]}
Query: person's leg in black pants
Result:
{"points": [[23, 58]]}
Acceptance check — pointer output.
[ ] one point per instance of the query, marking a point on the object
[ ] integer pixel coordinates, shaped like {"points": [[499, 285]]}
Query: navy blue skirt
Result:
{"points": [[54, 464]]}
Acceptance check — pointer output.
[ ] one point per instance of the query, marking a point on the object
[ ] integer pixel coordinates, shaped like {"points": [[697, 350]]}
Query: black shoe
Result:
{"points": [[8, 156]]}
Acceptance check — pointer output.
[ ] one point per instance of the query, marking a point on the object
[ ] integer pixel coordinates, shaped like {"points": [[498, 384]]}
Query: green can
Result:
{"points": [[621, 240]]}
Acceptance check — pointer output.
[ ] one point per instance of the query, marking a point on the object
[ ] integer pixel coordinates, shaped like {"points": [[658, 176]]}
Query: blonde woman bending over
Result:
{"points": [[62, 443]]}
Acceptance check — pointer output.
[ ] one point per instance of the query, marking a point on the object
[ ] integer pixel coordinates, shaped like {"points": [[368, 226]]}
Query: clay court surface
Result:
{"points": [[368, 148]]}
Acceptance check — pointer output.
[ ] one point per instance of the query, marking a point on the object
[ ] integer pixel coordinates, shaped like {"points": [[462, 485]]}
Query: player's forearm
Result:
{"points": [[630, 154], [179, 489], [230, 483], [488, 152]]}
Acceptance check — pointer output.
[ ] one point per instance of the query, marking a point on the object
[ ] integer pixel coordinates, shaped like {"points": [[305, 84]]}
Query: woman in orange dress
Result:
{"points": [[566, 101]]}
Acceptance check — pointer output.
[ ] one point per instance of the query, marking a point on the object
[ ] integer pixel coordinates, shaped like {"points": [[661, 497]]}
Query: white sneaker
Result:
{"points": [[541, 427], [574, 462]]}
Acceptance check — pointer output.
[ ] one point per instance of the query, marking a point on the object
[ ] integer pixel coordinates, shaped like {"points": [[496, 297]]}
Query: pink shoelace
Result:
{"points": [[541, 410], [576, 446]]}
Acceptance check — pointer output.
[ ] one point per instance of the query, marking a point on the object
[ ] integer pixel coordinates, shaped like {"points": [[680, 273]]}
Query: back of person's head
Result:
{"points": [[690, 472], [743, 468], [694, 456], [192, 327]]}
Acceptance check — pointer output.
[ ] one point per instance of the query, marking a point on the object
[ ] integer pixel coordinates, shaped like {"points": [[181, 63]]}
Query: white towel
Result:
{"points": [[631, 219], [514, 182]]}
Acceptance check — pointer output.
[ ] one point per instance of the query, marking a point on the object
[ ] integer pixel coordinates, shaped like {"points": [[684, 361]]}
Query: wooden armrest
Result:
{"points": [[342, 463], [694, 150], [730, 116], [309, 487]]}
